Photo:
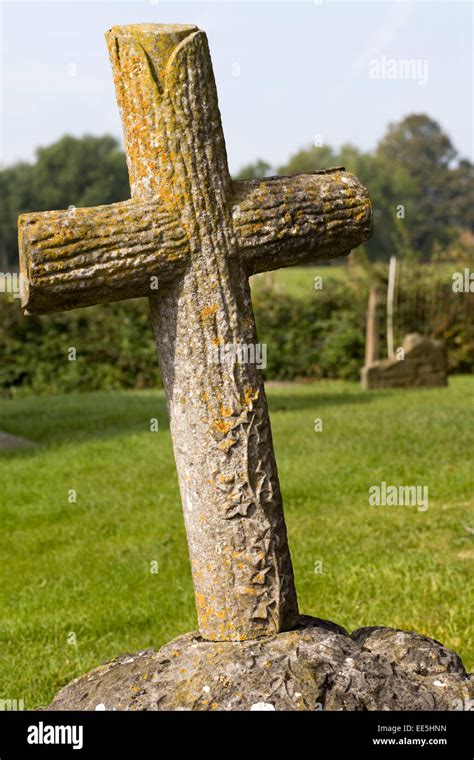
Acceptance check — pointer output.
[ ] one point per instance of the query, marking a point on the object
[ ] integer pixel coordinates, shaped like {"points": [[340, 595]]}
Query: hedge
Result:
{"points": [[320, 336]]}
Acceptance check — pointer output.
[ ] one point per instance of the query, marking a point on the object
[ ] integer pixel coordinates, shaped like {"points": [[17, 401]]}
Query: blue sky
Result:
{"points": [[287, 72]]}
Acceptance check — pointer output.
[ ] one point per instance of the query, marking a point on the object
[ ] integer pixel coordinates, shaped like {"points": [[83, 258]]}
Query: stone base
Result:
{"points": [[317, 666], [13, 442], [424, 366]]}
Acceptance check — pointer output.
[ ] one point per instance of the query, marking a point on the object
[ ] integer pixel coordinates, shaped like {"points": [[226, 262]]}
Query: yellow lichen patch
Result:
{"points": [[227, 444], [225, 411], [249, 395], [208, 311], [221, 426], [205, 396], [216, 341]]}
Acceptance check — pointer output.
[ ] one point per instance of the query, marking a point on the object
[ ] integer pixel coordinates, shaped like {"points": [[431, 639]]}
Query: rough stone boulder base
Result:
{"points": [[424, 365], [317, 666]]}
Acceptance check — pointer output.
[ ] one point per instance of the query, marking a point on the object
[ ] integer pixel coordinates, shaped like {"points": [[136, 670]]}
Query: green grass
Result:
{"points": [[84, 568], [297, 282]]}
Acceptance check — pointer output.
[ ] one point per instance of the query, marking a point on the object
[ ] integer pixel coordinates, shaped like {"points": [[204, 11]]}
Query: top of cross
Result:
{"points": [[279, 221]]}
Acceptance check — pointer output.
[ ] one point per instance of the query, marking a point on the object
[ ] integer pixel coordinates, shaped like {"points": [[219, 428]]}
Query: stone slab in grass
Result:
{"points": [[13, 442]]}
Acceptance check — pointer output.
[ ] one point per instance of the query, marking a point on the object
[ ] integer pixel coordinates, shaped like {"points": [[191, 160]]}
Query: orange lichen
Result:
{"points": [[250, 395], [208, 311], [227, 444], [221, 426]]}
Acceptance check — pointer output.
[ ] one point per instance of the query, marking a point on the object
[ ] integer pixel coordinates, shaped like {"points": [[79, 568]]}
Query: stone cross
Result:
{"points": [[198, 235]]}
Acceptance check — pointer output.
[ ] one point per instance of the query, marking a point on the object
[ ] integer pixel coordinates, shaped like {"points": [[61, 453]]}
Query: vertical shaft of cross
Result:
{"points": [[232, 504]]}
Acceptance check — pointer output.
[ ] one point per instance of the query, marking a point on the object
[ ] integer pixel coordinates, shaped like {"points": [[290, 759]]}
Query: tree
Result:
{"points": [[309, 160], [258, 170], [418, 144], [86, 171], [17, 197], [460, 193]]}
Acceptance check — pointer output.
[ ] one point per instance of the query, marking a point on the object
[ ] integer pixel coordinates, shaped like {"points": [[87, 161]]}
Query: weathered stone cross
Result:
{"points": [[201, 234]]}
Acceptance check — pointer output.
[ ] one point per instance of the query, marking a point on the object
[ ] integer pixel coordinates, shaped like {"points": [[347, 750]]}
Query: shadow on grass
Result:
{"points": [[290, 402], [79, 417], [56, 420]]}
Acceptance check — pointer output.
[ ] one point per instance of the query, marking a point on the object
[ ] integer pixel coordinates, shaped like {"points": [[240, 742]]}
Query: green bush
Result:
{"points": [[320, 334], [113, 344]]}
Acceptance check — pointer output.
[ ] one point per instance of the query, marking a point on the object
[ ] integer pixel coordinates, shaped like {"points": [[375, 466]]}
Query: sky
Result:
{"points": [[289, 74]]}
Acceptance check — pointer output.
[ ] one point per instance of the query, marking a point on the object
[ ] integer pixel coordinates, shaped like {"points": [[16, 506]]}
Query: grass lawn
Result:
{"points": [[80, 572], [297, 282]]}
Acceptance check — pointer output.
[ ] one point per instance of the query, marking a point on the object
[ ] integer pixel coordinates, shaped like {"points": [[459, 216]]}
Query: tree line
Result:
{"points": [[422, 190]]}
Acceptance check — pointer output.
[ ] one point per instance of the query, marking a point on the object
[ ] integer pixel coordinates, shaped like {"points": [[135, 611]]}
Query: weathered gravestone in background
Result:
{"points": [[203, 235], [422, 365]]}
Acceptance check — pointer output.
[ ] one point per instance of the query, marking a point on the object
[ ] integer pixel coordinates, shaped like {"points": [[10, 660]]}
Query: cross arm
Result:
{"points": [[285, 221], [85, 256], [81, 257]]}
